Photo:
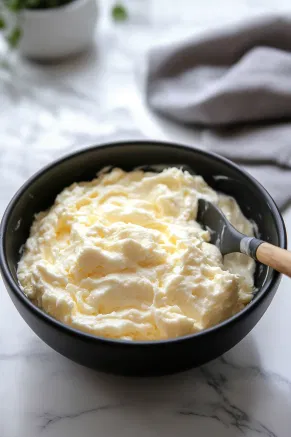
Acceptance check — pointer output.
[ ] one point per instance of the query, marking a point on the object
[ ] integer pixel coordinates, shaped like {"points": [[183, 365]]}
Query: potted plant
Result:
{"points": [[46, 29]]}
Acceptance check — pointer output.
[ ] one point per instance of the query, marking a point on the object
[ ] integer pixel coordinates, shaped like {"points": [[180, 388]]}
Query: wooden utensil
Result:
{"points": [[229, 240]]}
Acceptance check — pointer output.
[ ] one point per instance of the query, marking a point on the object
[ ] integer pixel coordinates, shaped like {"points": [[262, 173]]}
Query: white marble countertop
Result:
{"points": [[45, 111]]}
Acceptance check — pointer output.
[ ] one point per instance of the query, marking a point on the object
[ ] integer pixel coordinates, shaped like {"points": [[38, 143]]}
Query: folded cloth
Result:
{"points": [[235, 82]]}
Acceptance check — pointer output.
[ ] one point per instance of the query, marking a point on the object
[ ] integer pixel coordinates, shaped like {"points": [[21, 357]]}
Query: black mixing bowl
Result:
{"points": [[127, 357]]}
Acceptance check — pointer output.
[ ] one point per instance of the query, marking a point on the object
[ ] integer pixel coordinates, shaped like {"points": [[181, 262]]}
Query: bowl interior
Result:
{"points": [[39, 193]]}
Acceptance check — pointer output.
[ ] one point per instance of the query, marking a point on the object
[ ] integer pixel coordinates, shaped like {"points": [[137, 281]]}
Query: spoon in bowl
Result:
{"points": [[229, 240]]}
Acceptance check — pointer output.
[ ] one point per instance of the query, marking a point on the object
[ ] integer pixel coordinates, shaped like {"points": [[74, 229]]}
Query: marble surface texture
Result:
{"points": [[48, 110]]}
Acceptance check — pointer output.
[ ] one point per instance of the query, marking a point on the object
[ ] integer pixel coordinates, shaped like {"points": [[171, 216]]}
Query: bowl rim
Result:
{"points": [[46, 318]]}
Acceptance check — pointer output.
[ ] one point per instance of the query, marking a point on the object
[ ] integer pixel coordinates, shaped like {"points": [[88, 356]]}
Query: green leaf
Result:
{"points": [[18, 5], [14, 37], [2, 23], [119, 13], [33, 4], [15, 5], [44, 4]]}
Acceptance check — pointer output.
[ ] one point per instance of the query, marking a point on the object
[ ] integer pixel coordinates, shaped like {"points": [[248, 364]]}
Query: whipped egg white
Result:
{"points": [[123, 257]]}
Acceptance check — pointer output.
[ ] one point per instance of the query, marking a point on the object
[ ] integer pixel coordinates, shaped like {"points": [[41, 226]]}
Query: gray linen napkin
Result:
{"points": [[234, 82]]}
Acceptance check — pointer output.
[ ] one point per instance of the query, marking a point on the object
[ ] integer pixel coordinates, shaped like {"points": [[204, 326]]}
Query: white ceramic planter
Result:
{"points": [[58, 32]]}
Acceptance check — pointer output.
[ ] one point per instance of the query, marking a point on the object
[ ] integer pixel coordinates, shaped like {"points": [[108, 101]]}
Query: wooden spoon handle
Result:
{"points": [[275, 257]]}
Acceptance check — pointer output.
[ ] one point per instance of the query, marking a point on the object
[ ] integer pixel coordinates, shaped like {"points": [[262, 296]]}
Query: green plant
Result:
{"points": [[10, 10], [10, 15], [119, 13]]}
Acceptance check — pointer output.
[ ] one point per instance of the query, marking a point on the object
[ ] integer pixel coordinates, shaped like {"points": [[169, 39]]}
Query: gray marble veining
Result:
{"points": [[49, 110]]}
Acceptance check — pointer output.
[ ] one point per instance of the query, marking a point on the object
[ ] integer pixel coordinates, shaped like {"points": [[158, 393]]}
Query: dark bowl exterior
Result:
{"points": [[139, 358]]}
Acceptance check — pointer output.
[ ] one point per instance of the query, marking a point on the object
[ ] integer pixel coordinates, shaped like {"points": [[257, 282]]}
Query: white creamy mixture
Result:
{"points": [[123, 257]]}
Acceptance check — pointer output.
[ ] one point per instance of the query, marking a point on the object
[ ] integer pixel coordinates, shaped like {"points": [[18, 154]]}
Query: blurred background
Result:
{"points": [[72, 76]]}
